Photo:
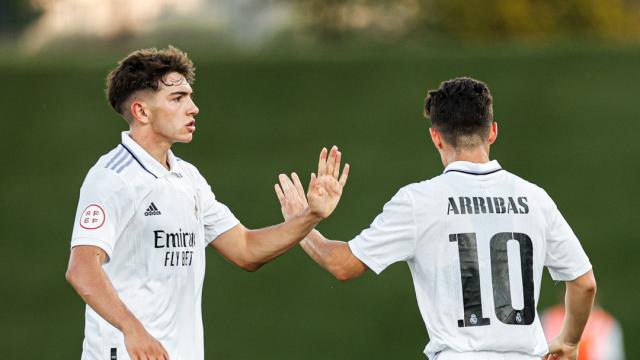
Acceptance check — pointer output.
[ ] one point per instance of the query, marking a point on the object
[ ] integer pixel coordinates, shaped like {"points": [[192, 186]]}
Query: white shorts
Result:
{"points": [[483, 355]]}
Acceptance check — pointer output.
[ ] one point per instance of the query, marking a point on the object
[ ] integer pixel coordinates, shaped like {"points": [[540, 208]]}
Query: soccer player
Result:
{"points": [[476, 239], [145, 218]]}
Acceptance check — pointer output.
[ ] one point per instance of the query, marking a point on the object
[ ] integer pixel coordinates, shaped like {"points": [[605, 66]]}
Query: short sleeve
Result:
{"points": [[216, 216], [104, 208], [391, 237], [565, 258]]}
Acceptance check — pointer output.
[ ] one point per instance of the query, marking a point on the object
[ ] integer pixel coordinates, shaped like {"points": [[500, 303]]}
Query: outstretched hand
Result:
{"points": [[291, 195], [325, 188]]}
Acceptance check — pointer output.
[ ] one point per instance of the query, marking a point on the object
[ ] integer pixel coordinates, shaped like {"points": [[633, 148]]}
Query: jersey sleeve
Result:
{"points": [[105, 206], [391, 237], [565, 258], [216, 216]]}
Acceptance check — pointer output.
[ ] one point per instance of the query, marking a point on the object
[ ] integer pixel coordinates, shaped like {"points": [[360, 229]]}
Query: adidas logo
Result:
{"points": [[152, 210]]}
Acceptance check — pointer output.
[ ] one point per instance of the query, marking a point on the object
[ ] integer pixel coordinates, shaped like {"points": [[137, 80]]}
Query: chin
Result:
{"points": [[184, 139]]}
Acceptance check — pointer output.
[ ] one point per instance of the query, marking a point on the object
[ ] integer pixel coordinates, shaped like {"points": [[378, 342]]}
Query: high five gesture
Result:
{"points": [[325, 188]]}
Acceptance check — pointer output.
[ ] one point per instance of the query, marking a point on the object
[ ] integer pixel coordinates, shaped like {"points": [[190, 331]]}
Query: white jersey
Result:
{"points": [[476, 239], [154, 225]]}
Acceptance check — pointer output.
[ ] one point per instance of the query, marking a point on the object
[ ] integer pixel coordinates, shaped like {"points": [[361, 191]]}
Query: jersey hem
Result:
{"points": [[224, 229], [571, 276], [367, 260], [93, 242]]}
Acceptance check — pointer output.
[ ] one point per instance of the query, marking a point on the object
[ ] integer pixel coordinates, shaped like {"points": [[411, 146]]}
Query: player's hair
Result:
{"points": [[145, 69], [461, 110]]}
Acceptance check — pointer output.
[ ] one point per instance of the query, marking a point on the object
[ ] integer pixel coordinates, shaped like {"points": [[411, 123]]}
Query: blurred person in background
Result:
{"points": [[476, 240], [145, 217], [602, 338]]}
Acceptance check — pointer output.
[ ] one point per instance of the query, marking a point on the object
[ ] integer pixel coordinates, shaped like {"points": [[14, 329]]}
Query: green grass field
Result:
{"points": [[568, 122]]}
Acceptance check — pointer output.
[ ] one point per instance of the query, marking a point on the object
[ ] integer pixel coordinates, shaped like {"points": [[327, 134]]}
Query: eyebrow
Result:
{"points": [[180, 93]]}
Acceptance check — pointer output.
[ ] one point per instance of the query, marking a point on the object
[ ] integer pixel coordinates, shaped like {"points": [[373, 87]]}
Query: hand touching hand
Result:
{"points": [[558, 350], [291, 195], [325, 189]]}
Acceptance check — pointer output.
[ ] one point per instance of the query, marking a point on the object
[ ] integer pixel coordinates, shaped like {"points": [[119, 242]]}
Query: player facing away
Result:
{"points": [[476, 239], [145, 218]]}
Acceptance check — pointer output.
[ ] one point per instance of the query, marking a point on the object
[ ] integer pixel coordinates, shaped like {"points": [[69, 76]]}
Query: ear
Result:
{"points": [[493, 133], [436, 138], [139, 111]]}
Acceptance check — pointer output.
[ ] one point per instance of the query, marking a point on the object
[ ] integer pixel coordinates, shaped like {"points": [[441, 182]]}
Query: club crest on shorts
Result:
{"points": [[92, 217]]}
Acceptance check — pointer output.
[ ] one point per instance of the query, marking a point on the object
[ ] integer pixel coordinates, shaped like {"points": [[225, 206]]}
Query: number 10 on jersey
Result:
{"points": [[470, 279]]}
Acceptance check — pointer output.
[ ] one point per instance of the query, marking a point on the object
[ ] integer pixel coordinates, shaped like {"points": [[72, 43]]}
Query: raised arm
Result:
{"points": [[250, 249], [87, 277], [579, 298], [334, 256]]}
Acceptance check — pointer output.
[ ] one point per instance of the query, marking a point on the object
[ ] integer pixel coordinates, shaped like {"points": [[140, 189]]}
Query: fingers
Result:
{"points": [[331, 161], [298, 186], [279, 194], [345, 175], [322, 162], [312, 182], [165, 354], [287, 187], [336, 167]]}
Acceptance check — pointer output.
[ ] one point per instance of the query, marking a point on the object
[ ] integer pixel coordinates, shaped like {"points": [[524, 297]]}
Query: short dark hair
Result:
{"points": [[144, 69], [460, 109]]}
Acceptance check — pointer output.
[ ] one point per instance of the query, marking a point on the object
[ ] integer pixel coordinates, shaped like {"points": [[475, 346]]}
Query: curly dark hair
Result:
{"points": [[460, 109], [145, 69]]}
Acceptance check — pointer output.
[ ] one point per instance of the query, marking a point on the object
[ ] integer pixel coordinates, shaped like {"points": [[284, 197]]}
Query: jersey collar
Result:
{"points": [[472, 168], [146, 161]]}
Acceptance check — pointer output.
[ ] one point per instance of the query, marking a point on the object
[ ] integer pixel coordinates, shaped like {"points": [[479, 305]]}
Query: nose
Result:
{"points": [[193, 110]]}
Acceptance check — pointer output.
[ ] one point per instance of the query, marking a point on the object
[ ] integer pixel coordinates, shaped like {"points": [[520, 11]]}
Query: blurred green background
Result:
{"points": [[566, 105]]}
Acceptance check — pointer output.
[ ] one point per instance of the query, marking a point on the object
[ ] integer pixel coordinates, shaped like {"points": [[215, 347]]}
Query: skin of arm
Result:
{"points": [[579, 298], [333, 256], [87, 277], [250, 249]]}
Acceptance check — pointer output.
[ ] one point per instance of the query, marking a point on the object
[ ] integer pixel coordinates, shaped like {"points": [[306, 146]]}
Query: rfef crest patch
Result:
{"points": [[92, 217]]}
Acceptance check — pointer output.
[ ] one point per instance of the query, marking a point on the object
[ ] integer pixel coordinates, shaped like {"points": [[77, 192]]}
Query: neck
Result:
{"points": [[157, 148], [478, 154]]}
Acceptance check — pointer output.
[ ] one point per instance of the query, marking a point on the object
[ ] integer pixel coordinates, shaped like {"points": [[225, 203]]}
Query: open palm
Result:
{"points": [[325, 188]]}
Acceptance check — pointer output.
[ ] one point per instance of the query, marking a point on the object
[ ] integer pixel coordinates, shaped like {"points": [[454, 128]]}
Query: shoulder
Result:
{"points": [[425, 188], [188, 167], [191, 172], [531, 187], [123, 164], [107, 175], [414, 194], [103, 181], [194, 176]]}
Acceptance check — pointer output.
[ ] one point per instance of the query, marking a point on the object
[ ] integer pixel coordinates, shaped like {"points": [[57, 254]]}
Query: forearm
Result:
{"points": [[579, 299], [263, 245], [333, 256], [95, 288], [321, 250]]}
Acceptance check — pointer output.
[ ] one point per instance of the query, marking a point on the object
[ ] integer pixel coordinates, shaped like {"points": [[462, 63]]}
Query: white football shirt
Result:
{"points": [[154, 224], [476, 239]]}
